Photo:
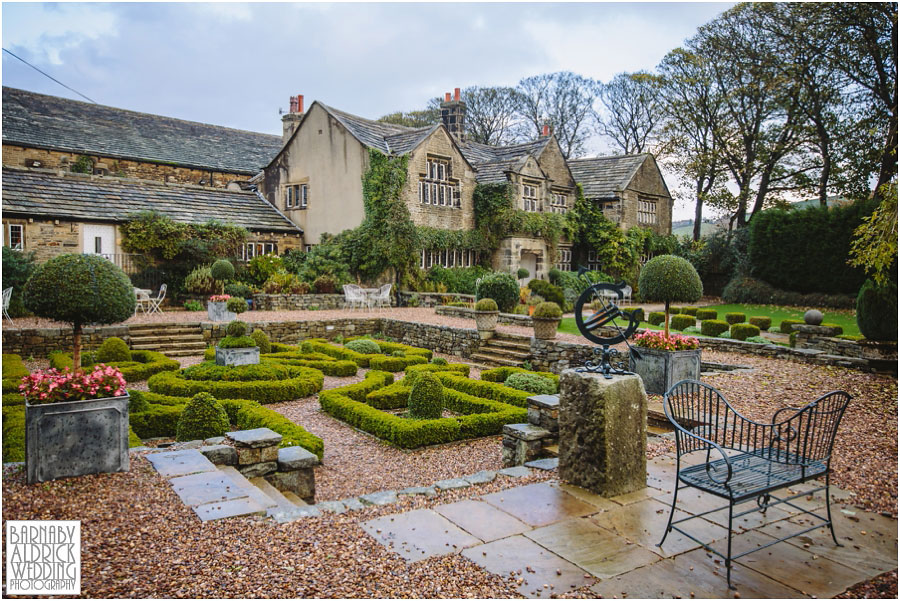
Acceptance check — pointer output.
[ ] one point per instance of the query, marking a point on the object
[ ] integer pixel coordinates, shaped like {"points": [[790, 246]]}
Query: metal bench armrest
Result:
{"points": [[711, 444]]}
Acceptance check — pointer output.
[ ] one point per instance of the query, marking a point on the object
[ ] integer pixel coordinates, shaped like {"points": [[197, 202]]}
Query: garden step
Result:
{"points": [[506, 352], [140, 327], [245, 485], [282, 503], [293, 498], [551, 450], [181, 352], [492, 360], [174, 339], [513, 338], [195, 347]]}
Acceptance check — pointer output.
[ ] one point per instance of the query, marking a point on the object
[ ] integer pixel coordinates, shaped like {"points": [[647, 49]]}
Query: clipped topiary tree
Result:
{"points": [[113, 349], [236, 328], [502, 287], [876, 310], [236, 305], [222, 271], [364, 346], [203, 418], [426, 397], [262, 341], [669, 279], [80, 289]]}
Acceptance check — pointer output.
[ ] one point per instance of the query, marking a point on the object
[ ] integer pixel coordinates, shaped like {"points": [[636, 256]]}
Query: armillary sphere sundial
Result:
{"points": [[598, 317]]}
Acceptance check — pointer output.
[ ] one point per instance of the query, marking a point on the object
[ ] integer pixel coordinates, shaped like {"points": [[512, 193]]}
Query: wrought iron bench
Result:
{"points": [[748, 460]]}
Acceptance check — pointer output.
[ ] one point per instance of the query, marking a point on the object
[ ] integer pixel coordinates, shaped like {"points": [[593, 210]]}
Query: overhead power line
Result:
{"points": [[48, 76]]}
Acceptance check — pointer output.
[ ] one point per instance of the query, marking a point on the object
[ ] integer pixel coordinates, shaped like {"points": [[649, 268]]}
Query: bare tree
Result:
{"points": [[562, 100], [632, 111], [491, 114]]}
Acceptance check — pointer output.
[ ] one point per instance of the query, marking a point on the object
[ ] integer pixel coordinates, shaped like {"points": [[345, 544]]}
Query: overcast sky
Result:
{"points": [[237, 64]]}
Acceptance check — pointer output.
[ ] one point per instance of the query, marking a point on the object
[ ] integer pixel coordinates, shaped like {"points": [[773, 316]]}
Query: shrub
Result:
{"points": [[522, 273], [13, 367], [656, 317], [425, 397], [236, 342], [746, 290], [262, 267], [203, 418], [689, 311], [17, 268], [113, 349], [285, 283], [734, 318], [486, 304], [674, 310], [193, 305], [439, 361], [530, 383], [742, 331], [236, 305], [500, 374], [398, 354], [364, 346], [456, 279], [222, 270], [876, 311], [200, 281], [667, 278], [394, 363], [262, 341], [763, 323], [682, 321], [637, 312], [325, 284], [691, 330], [713, 327], [139, 366], [548, 291], [238, 289], [236, 328], [785, 326], [704, 314], [758, 340], [413, 371], [502, 287], [80, 289], [303, 382], [547, 310]]}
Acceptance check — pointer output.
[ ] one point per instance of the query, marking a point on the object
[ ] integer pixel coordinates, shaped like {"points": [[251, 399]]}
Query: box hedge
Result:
{"points": [[742, 331], [713, 327], [785, 326], [13, 367], [704, 314], [500, 374], [656, 318], [689, 311], [142, 365], [682, 321], [734, 318], [493, 391], [763, 323], [303, 382], [638, 312]]}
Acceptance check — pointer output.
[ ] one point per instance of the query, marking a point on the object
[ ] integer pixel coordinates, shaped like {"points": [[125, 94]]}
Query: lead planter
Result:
{"points": [[237, 356], [217, 311], [486, 323], [545, 327], [661, 369], [76, 438]]}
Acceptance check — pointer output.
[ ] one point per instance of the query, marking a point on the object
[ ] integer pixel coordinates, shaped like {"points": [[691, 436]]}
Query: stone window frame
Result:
{"points": [[447, 258], [559, 201], [258, 249], [20, 246], [564, 259], [647, 211], [531, 204], [437, 187], [296, 196], [593, 262]]}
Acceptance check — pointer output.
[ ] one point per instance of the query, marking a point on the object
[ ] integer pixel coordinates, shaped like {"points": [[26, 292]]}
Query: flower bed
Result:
{"points": [[143, 364]]}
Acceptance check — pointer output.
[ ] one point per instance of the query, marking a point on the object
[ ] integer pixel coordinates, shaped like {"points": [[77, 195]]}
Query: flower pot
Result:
{"points": [[217, 311], [237, 356], [486, 321], [661, 369], [531, 309], [76, 438], [545, 327]]}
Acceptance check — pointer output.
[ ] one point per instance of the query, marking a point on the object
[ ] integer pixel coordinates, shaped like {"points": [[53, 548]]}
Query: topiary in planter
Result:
{"points": [[547, 310], [734, 318], [236, 342], [236, 328], [222, 270], [713, 327], [202, 418], [486, 304], [236, 305], [530, 383], [763, 323], [262, 341], [502, 287], [682, 321], [876, 311], [80, 289], [704, 314], [364, 346], [522, 273], [785, 327], [656, 317], [426, 397], [742, 331], [113, 349], [669, 279]]}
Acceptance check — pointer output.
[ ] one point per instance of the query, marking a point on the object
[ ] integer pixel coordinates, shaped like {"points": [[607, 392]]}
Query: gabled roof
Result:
{"points": [[89, 198], [54, 123], [606, 177], [482, 153], [494, 172], [407, 141], [368, 132]]}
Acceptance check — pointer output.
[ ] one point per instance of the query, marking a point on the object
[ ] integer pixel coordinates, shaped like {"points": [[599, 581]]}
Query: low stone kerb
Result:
{"points": [[547, 401], [256, 438]]}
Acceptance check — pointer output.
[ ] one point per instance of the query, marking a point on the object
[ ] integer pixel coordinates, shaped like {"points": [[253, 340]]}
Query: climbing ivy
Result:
{"points": [[154, 234]]}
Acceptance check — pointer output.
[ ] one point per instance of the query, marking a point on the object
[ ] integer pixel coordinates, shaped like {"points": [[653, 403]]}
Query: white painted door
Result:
{"points": [[99, 240]]}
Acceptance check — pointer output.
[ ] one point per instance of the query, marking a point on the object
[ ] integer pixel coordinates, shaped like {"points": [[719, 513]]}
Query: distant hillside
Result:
{"points": [[686, 228]]}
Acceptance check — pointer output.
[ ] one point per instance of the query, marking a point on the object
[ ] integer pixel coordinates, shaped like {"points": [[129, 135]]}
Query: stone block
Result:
{"points": [[256, 470], [268, 453], [603, 432], [256, 438], [248, 456], [295, 458], [220, 454], [527, 432], [547, 401], [301, 482]]}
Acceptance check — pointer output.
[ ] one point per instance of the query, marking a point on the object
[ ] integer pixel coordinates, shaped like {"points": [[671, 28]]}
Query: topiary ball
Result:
{"points": [[203, 418], [426, 397], [262, 341], [236, 305], [876, 311], [236, 329], [222, 270], [522, 273], [813, 317], [364, 346], [669, 279], [547, 310], [502, 287], [486, 304], [530, 383], [113, 349]]}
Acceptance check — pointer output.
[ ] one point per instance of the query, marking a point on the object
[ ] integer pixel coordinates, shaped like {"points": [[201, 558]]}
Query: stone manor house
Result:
{"points": [[289, 190]]}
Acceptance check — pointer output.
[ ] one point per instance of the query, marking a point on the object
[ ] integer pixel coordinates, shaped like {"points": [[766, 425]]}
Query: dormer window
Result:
{"points": [[437, 187], [530, 200]]}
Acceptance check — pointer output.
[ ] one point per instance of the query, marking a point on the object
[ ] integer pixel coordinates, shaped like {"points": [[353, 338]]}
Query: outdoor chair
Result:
{"points": [[382, 298], [143, 301], [7, 296], [155, 303], [748, 460], [354, 296]]}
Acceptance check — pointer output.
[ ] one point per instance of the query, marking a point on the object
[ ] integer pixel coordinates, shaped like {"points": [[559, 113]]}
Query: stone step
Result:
{"points": [[512, 338], [293, 498], [551, 450], [518, 345], [142, 327], [282, 503], [506, 351], [252, 491], [182, 352], [494, 360], [154, 346], [191, 335]]}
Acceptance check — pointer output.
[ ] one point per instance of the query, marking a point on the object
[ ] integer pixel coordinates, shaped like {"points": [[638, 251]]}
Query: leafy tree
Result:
{"points": [[874, 247], [422, 118], [563, 100], [491, 114], [632, 113], [17, 268]]}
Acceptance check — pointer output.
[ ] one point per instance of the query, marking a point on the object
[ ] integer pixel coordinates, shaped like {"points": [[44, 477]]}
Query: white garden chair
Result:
{"points": [[143, 301], [156, 302], [354, 296], [382, 298], [7, 296]]}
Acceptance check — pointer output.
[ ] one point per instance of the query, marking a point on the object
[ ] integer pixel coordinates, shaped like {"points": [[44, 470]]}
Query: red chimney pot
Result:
{"points": [[456, 94], [447, 97], [546, 130], [300, 103]]}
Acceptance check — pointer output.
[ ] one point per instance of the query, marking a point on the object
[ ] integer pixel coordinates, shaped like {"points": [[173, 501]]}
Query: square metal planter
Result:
{"points": [[217, 311], [237, 356], [76, 438], [661, 369]]}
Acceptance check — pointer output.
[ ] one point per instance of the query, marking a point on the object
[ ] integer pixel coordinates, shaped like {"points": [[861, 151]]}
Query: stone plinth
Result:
{"points": [[602, 432], [543, 411], [295, 473]]}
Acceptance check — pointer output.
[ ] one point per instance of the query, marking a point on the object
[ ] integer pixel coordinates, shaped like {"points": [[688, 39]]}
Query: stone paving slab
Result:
{"points": [[452, 483], [482, 519], [601, 553], [551, 463], [229, 509], [518, 471], [587, 496], [482, 477], [205, 487], [384, 497], [694, 501], [180, 463], [428, 491], [539, 504], [419, 534]]}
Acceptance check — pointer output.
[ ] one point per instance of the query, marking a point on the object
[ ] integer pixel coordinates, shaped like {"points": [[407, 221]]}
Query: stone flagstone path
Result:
{"points": [[553, 537]]}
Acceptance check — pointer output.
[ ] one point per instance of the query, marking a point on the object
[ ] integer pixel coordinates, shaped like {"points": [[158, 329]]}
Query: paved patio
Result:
{"points": [[553, 538]]}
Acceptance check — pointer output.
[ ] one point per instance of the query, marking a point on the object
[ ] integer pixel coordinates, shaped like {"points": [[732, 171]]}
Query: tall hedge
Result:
{"points": [[806, 250]]}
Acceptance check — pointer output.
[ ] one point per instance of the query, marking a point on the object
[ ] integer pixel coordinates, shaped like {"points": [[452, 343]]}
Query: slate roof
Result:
{"points": [[371, 133], [494, 172], [407, 141], [88, 198], [606, 177], [50, 122]]}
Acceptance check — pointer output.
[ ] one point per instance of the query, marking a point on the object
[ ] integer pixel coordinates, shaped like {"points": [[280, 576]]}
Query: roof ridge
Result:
{"points": [[611, 156], [401, 128]]}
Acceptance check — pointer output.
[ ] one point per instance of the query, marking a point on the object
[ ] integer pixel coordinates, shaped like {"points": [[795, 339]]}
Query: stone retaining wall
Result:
{"points": [[443, 339], [40, 342], [508, 319], [297, 302], [434, 299], [292, 332]]}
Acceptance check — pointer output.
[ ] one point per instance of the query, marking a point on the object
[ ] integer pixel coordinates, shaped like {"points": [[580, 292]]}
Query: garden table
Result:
{"points": [[143, 299]]}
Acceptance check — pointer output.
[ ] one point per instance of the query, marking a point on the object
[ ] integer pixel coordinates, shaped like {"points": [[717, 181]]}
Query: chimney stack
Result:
{"points": [[453, 115], [290, 120], [546, 131]]}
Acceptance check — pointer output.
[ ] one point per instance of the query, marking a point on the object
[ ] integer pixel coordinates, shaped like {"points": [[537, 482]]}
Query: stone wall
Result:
{"points": [[439, 146], [40, 342], [466, 313], [47, 237], [292, 302], [434, 299], [443, 339], [292, 332]]}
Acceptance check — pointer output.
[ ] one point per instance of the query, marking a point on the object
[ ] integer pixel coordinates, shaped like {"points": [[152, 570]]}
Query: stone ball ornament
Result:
{"points": [[813, 317]]}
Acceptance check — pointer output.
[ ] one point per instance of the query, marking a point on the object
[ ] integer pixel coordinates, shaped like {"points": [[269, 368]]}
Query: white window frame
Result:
{"points": [[529, 198], [304, 196], [21, 229]]}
